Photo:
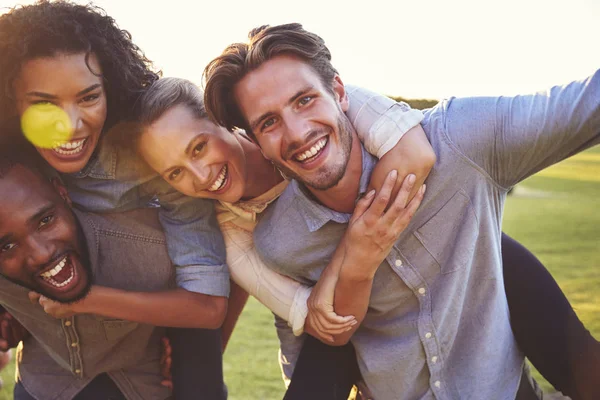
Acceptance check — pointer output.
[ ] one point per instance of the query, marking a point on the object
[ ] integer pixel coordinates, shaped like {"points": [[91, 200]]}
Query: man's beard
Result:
{"points": [[329, 178]]}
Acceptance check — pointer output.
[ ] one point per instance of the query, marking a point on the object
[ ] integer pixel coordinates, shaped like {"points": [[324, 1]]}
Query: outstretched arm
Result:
{"points": [[174, 308]]}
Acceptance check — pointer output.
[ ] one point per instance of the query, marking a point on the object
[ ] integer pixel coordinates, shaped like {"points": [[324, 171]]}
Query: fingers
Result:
{"points": [[34, 297], [404, 218], [399, 204], [362, 205], [167, 383], [382, 198]]}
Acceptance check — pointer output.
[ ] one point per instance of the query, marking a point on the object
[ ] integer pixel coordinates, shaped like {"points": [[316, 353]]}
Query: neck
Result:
{"points": [[342, 196], [261, 176]]}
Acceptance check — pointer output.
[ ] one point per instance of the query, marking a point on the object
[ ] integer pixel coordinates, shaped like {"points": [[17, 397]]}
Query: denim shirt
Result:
{"points": [[115, 179], [62, 356], [437, 326]]}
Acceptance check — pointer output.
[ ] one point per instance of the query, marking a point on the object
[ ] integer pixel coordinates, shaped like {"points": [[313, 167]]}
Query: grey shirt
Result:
{"points": [[437, 325], [62, 356]]}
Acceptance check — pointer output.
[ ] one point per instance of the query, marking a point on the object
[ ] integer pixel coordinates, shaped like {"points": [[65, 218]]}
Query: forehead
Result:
{"points": [[165, 140], [63, 73], [273, 84], [28, 193]]}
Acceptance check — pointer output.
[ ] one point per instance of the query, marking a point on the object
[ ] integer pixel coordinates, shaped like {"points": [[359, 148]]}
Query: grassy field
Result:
{"points": [[555, 214]]}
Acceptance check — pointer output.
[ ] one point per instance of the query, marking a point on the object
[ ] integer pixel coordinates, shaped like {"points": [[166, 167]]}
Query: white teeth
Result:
{"points": [[48, 275], [220, 181], [313, 150], [69, 148]]}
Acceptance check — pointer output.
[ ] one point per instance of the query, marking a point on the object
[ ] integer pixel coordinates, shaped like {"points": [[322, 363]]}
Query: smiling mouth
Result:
{"points": [[69, 148], [61, 274], [221, 180], [312, 153]]}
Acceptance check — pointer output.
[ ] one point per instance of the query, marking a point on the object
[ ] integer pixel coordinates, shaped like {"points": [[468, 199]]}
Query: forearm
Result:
{"points": [[174, 308], [352, 296], [413, 154]]}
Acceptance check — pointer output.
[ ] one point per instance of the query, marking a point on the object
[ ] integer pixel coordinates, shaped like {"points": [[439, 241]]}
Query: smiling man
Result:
{"points": [[434, 315], [48, 247]]}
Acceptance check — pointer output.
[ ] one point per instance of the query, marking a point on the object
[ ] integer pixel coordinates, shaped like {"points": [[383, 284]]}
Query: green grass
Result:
{"points": [[555, 214]]}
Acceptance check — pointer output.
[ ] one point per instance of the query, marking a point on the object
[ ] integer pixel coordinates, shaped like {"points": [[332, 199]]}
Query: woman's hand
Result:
{"points": [[321, 321], [375, 227], [54, 308]]}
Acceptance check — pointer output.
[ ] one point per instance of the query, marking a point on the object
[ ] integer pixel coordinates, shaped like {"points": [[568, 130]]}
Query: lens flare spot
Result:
{"points": [[46, 125]]}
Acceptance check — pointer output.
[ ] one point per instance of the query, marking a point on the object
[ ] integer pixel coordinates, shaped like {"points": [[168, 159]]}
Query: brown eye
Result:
{"points": [[305, 100], [173, 175], [46, 220], [7, 247], [198, 149]]}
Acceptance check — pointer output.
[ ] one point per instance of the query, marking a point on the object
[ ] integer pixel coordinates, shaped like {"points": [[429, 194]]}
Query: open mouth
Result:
{"points": [[70, 148], [313, 153], [221, 181], [61, 274]]}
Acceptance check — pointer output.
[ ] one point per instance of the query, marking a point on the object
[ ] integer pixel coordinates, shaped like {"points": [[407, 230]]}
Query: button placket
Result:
{"points": [[72, 341]]}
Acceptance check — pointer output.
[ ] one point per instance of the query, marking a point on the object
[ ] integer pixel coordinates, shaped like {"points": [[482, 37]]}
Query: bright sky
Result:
{"points": [[426, 49]]}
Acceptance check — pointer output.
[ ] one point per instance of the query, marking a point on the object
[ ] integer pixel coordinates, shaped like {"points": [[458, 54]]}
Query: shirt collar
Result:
{"points": [[317, 215], [102, 164]]}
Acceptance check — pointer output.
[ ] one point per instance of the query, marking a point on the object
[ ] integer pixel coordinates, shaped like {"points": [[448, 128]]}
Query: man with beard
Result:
{"points": [[55, 250], [433, 313]]}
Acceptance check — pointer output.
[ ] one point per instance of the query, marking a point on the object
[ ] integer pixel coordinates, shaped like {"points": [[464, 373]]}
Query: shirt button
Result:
{"points": [[67, 323], [434, 359], [398, 263], [422, 290], [428, 335], [73, 344], [438, 384]]}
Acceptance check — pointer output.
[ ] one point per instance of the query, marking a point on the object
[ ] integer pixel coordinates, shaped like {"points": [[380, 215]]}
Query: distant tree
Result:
{"points": [[419, 104]]}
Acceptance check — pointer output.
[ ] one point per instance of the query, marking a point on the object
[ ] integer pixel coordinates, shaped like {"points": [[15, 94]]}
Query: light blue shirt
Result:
{"points": [[438, 323], [115, 179]]}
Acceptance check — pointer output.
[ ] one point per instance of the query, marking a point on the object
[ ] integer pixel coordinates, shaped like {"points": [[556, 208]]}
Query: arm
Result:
{"points": [[391, 131], [195, 244], [511, 138], [282, 295], [174, 308], [371, 233]]}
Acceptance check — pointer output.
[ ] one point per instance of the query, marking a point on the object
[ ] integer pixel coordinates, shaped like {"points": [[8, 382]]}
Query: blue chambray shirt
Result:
{"points": [[115, 180], [437, 325]]}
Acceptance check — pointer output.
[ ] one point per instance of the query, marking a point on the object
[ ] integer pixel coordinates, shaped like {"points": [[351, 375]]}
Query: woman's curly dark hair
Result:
{"points": [[48, 28]]}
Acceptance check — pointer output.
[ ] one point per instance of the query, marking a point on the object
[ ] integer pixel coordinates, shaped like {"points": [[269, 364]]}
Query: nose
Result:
{"points": [[76, 118], [202, 175], [40, 251], [297, 129]]}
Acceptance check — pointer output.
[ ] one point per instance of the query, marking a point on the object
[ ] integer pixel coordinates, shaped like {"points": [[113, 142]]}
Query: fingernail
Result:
{"points": [[424, 188], [411, 178], [354, 322], [370, 194], [394, 174]]}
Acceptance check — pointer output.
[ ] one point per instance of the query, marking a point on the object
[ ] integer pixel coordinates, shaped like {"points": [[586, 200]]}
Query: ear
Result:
{"points": [[62, 190], [340, 91]]}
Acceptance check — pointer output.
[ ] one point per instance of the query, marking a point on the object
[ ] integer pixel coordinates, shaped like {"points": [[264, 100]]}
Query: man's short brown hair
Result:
{"points": [[238, 59]]}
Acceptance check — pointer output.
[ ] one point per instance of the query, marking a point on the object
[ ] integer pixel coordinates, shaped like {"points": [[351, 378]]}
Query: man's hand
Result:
{"points": [[11, 330], [165, 363], [54, 308], [322, 321]]}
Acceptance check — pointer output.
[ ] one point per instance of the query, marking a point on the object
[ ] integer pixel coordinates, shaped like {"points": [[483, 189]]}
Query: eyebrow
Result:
{"points": [[290, 101], [52, 97], [9, 237], [44, 210]]}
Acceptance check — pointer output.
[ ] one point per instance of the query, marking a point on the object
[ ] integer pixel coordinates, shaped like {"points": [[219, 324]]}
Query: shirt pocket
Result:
{"points": [[115, 329], [450, 235]]}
